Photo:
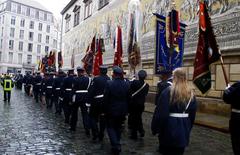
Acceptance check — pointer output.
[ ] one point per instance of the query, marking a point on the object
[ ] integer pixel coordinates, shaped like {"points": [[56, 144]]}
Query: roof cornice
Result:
{"points": [[68, 6]]}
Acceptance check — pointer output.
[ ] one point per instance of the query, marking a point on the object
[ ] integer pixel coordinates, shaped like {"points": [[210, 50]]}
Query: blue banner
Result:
{"points": [[166, 61]]}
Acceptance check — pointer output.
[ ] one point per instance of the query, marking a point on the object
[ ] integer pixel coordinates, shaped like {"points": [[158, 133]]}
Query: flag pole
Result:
{"points": [[224, 71]]}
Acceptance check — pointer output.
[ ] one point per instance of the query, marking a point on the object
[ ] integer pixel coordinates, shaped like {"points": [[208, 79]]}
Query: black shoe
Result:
{"points": [[133, 137], [87, 132], [142, 134], [72, 129]]}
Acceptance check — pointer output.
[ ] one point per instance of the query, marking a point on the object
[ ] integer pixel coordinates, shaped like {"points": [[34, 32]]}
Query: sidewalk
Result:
{"points": [[219, 123]]}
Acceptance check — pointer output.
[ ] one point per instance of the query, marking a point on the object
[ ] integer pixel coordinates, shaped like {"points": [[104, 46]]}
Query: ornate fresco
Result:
{"points": [[105, 22]]}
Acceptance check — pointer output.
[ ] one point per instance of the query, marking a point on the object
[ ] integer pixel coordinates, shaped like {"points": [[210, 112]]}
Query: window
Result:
{"points": [[41, 15], [30, 47], [37, 14], [76, 15], [11, 44], [3, 19], [2, 31], [13, 20], [49, 17], [31, 26], [40, 26], [48, 28], [102, 3], [47, 39], [38, 49], [22, 22], [45, 16], [28, 11], [39, 38], [21, 35], [29, 59], [14, 7], [88, 9], [1, 43], [19, 58], [46, 48], [19, 9], [24, 10], [31, 36], [32, 12], [54, 43], [20, 47], [10, 57], [12, 31], [68, 19]]}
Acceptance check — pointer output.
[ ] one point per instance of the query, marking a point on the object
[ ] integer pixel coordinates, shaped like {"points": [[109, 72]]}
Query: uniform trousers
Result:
{"points": [[234, 125], [114, 129], [7, 96]]}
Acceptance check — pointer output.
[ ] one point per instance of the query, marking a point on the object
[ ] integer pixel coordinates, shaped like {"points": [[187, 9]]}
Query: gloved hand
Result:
{"points": [[228, 87]]}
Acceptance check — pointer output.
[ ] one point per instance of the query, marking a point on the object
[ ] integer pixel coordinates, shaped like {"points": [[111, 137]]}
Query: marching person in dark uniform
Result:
{"points": [[19, 81], [49, 89], [7, 84], [37, 86], [231, 96], [27, 80], [139, 91], [116, 99], [81, 85], [174, 115], [67, 94], [166, 81], [57, 84], [96, 97]]}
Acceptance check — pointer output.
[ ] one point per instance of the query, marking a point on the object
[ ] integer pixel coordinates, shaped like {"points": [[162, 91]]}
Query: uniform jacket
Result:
{"points": [[37, 82], [81, 83], [97, 88], [161, 86], [67, 84], [231, 96], [138, 100], [173, 131], [57, 84], [117, 96]]}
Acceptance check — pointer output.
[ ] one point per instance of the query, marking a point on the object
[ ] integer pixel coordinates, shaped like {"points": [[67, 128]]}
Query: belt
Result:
{"points": [[81, 91], [68, 89], [49, 87], [61, 99], [99, 96], [38, 84], [178, 115], [57, 88], [236, 111]]}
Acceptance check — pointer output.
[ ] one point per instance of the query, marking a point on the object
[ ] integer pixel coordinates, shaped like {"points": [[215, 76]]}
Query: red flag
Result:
{"points": [[98, 59], [118, 48], [207, 51]]}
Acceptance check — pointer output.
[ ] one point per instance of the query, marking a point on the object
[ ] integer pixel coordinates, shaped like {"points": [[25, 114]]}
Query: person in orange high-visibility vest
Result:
{"points": [[7, 84]]}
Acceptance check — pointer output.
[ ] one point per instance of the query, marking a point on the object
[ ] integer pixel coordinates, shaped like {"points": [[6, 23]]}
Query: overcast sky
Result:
{"points": [[55, 6]]}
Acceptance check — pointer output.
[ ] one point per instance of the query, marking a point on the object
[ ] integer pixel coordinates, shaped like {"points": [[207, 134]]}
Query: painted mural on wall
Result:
{"points": [[105, 23]]}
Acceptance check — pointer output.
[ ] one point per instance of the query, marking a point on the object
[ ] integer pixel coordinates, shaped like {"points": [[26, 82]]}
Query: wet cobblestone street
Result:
{"points": [[27, 127]]}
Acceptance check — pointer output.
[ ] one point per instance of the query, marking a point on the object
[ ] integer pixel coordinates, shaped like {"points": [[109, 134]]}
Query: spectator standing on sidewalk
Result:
{"points": [[231, 96], [7, 84], [174, 115]]}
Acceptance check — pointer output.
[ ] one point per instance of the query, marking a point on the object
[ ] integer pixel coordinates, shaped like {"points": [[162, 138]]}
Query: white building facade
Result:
{"points": [[27, 33]]}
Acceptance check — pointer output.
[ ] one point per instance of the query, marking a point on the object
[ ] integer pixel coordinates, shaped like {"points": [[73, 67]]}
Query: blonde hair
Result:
{"points": [[180, 90]]}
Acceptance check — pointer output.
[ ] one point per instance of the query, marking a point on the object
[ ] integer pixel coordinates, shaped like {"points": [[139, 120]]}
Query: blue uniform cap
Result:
{"points": [[117, 70], [142, 74]]}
